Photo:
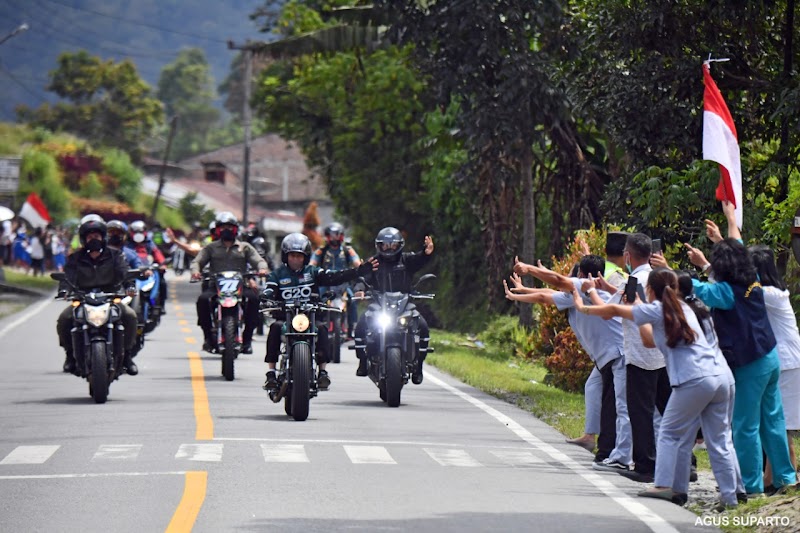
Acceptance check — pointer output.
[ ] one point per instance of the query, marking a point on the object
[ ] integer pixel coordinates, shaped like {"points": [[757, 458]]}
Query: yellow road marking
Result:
{"points": [[183, 322], [190, 340], [186, 330], [202, 411], [179, 314], [178, 307], [194, 493]]}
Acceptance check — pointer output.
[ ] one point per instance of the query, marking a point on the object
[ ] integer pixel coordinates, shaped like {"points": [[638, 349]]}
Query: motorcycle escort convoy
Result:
{"points": [[296, 369], [336, 314], [392, 343], [98, 336]]}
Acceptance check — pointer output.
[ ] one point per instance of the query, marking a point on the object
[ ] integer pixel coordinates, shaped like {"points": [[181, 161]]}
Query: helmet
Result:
{"points": [[389, 243], [226, 218], [138, 231], [91, 224], [334, 232], [212, 226], [117, 225], [295, 242]]}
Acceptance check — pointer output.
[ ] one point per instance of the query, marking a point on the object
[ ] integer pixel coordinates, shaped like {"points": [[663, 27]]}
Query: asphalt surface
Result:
{"points": [[159, 456]]}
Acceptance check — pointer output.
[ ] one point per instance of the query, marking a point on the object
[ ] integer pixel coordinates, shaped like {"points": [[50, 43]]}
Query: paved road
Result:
{"points": [[178, 448]]}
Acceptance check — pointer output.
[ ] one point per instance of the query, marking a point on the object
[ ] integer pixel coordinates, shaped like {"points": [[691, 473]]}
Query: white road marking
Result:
{"points": [[452, 457], [98, 474], [640, 511], [379, 442], [24, 317], [284, 453], [29, 455], [369, 455], [208, 452], [517, 458], [117, 452]]}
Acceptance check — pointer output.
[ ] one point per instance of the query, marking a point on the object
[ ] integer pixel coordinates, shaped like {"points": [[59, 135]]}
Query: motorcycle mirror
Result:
{"points": [[132, 274], [426, 277], [329, 295], [58, 276], [364, 281]]}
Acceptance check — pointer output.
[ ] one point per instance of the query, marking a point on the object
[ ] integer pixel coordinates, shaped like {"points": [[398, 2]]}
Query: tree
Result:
{"points": [[108, 103], [187, 89]]}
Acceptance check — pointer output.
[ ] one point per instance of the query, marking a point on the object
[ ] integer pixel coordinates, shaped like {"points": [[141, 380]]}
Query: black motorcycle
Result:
{"points": [[227, 317], [296, 370], [392, 343], [98, 336]]}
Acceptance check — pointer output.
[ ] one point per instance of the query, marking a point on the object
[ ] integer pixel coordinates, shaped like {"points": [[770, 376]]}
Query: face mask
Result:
{"points": [[138, 237], [115, 240], [227, 235], [95, 245]]}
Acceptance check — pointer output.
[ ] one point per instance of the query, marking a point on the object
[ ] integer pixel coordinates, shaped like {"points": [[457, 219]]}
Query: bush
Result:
{"points": [[39, 173], [91, 187], [568, 365], [505, 334], [118, 164]]}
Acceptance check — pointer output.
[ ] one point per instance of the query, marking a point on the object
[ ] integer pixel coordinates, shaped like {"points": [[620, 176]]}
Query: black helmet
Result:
{"points": [[118, 225], [92, 224], [334, 231], [389, 243], [295, 242]]}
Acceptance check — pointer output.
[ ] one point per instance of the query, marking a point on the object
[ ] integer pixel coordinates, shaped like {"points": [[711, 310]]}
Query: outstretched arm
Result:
{"points": [[536, 296], [604, 311], [555, 279], [730, 215]]}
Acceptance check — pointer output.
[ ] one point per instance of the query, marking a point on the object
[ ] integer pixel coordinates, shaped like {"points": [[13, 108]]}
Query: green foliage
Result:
{"points": [[129, 178], [91, 186], [187, 89], [194, 212], [106, 102], [504, 334], [39, 173]]}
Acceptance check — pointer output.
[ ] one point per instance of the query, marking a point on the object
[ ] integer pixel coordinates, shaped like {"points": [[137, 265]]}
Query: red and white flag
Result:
{"points": [[34, 211], [720, 144]]}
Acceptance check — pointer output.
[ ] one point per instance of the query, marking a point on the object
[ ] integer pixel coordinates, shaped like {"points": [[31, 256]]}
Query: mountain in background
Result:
{"points": [[148, 32]]}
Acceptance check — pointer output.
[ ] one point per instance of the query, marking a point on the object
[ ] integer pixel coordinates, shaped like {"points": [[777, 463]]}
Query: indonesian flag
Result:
{"points": [[34, 211], [720, 144]]}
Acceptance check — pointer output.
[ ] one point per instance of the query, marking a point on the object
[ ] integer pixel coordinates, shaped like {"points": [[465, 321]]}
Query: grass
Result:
{"points": [[509, 378], [40, 283]]}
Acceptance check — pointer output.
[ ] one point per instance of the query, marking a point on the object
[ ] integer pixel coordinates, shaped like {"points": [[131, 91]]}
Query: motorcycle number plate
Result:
{"points": [[228, 302]]}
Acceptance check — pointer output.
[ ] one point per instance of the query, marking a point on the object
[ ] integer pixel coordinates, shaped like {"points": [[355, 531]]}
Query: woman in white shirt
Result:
{"points": [[784, 326]]}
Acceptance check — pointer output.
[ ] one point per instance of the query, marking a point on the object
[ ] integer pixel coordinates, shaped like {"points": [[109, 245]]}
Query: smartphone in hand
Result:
{"points": [[630, 289], [657, 249]]}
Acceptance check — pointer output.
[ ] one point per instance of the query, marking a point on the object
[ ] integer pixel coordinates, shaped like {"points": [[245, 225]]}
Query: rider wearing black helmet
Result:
{"points": [[96, 266], [297, 279], [228, 253], [394, 274]]}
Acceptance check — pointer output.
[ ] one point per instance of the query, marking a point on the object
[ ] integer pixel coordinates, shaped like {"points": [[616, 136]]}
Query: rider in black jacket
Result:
{"points": [[96, 266], [394, 274]]}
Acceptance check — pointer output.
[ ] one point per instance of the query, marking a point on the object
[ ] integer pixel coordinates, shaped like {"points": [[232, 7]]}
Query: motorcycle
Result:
{"points": [[227, 317], [392, 343], [98, 336], [335, 320], [145, 300], [296, 370]]}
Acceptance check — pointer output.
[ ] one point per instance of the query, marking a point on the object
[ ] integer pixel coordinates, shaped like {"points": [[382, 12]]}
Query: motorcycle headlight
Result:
{"points": [[97, 315], [403, 321], [383, 320], [300, 323]]}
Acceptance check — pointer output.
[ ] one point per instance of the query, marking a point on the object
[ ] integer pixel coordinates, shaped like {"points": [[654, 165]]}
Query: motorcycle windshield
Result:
{"points": [[229, 284], [394, 301]]}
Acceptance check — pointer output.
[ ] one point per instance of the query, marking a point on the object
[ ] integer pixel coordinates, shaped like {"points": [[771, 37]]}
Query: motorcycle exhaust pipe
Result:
{"points": [[278, 395]]}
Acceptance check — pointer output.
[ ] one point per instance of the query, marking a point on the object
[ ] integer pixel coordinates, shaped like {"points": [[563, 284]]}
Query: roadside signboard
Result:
{"points": [[9, 174]]}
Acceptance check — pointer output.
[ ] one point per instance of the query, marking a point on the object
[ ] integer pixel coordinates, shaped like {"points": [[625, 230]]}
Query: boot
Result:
{"points": [[130, 366], [416, 377], [362, 367], [210, 343], [272, 382], [70, 367]]}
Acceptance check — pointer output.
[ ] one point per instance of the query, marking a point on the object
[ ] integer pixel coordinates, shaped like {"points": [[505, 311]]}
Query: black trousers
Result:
{"points": [[251, 314], [274, 342], [361, 336], [647, 390], [608, 415]]}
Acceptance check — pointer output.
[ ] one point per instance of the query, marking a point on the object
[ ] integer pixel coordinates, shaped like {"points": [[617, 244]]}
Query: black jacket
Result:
{"points": [[106, 273], [396, 276]]}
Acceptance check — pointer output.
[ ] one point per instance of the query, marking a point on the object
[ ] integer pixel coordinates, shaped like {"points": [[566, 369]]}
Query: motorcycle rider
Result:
{"points": [[336, 255], [303, 279], [95, 266], [395, 274], [117, 232], [144, 247], [228, 253]]}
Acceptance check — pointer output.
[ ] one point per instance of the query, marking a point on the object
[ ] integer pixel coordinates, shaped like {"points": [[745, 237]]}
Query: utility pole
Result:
{"points": [[173, 125], [246, 119]]}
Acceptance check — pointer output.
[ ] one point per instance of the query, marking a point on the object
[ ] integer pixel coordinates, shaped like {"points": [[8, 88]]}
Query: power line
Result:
{"points": [[25, 87], [137, 23]]}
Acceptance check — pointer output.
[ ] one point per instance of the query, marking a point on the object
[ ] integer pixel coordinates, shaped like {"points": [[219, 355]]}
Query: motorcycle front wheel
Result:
{"points": [[98, 386], [301, 379], [394, 376], [229, 329]]}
